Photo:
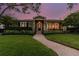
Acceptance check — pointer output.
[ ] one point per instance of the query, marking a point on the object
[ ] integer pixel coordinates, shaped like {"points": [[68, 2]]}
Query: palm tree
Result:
{"points": [[19, 7]]}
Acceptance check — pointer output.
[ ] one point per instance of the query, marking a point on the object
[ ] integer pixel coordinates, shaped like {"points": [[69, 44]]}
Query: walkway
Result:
{"points": [[60, 49]]}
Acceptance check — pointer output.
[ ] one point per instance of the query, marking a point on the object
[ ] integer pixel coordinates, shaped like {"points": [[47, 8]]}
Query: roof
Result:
{"points": [[54, 20], [42, 18], [25, 20], [39, 17], [51, 20]]}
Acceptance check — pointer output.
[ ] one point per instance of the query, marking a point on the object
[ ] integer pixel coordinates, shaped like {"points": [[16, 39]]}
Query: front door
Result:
{"points": [[39, 26]]}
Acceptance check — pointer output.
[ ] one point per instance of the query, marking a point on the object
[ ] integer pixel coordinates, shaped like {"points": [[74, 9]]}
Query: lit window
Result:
{"points": [[56, 25]]}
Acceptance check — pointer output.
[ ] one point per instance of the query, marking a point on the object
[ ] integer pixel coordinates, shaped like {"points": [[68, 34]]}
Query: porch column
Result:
{"points": [[27, 24], [44, 25], [33, 26]]}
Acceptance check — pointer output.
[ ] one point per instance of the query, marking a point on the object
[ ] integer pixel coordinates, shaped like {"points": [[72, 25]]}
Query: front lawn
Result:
{"points": [[71, 40], [22, 45]]}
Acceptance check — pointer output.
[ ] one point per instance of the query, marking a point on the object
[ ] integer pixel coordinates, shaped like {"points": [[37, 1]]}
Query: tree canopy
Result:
{"points": [[19, 7], [8, 20], [72, 19]]}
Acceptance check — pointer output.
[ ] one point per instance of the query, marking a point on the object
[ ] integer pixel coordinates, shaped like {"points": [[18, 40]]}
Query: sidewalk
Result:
{"points": [[60, 49]]}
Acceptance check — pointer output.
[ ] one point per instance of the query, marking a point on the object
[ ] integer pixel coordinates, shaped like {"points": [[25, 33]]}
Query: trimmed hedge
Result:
{"points": [[17, 32], [18, 28], [53, 32]]}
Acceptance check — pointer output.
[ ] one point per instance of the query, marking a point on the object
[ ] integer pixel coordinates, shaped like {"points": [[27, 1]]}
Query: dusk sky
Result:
{"points": [[49, 10]]}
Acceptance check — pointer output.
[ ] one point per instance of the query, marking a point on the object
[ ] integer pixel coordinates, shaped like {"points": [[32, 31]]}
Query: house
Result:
{"points": [[40, 23]]}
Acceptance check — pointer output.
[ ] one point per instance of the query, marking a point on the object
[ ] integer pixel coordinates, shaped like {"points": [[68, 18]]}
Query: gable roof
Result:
{"points": [[39, 17]]}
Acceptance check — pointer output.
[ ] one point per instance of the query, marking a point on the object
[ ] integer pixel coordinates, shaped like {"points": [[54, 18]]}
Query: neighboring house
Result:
{"points": [[40, 23]]}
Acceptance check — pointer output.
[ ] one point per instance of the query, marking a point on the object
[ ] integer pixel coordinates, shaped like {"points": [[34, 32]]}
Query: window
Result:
{"points": [[21, 24], [30, 24], [51, 25], [56, 25]]}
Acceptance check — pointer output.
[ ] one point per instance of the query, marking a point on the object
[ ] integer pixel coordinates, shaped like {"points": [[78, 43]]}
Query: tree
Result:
{"points": [[19, 7], [8, 20], [72, 20]]}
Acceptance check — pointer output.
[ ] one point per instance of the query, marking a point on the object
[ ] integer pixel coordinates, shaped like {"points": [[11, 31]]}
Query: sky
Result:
{"points": [[48, 10]]}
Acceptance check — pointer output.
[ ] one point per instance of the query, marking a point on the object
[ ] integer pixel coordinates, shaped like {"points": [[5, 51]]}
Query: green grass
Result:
{"points": [[71, 40], [22, 45]]}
